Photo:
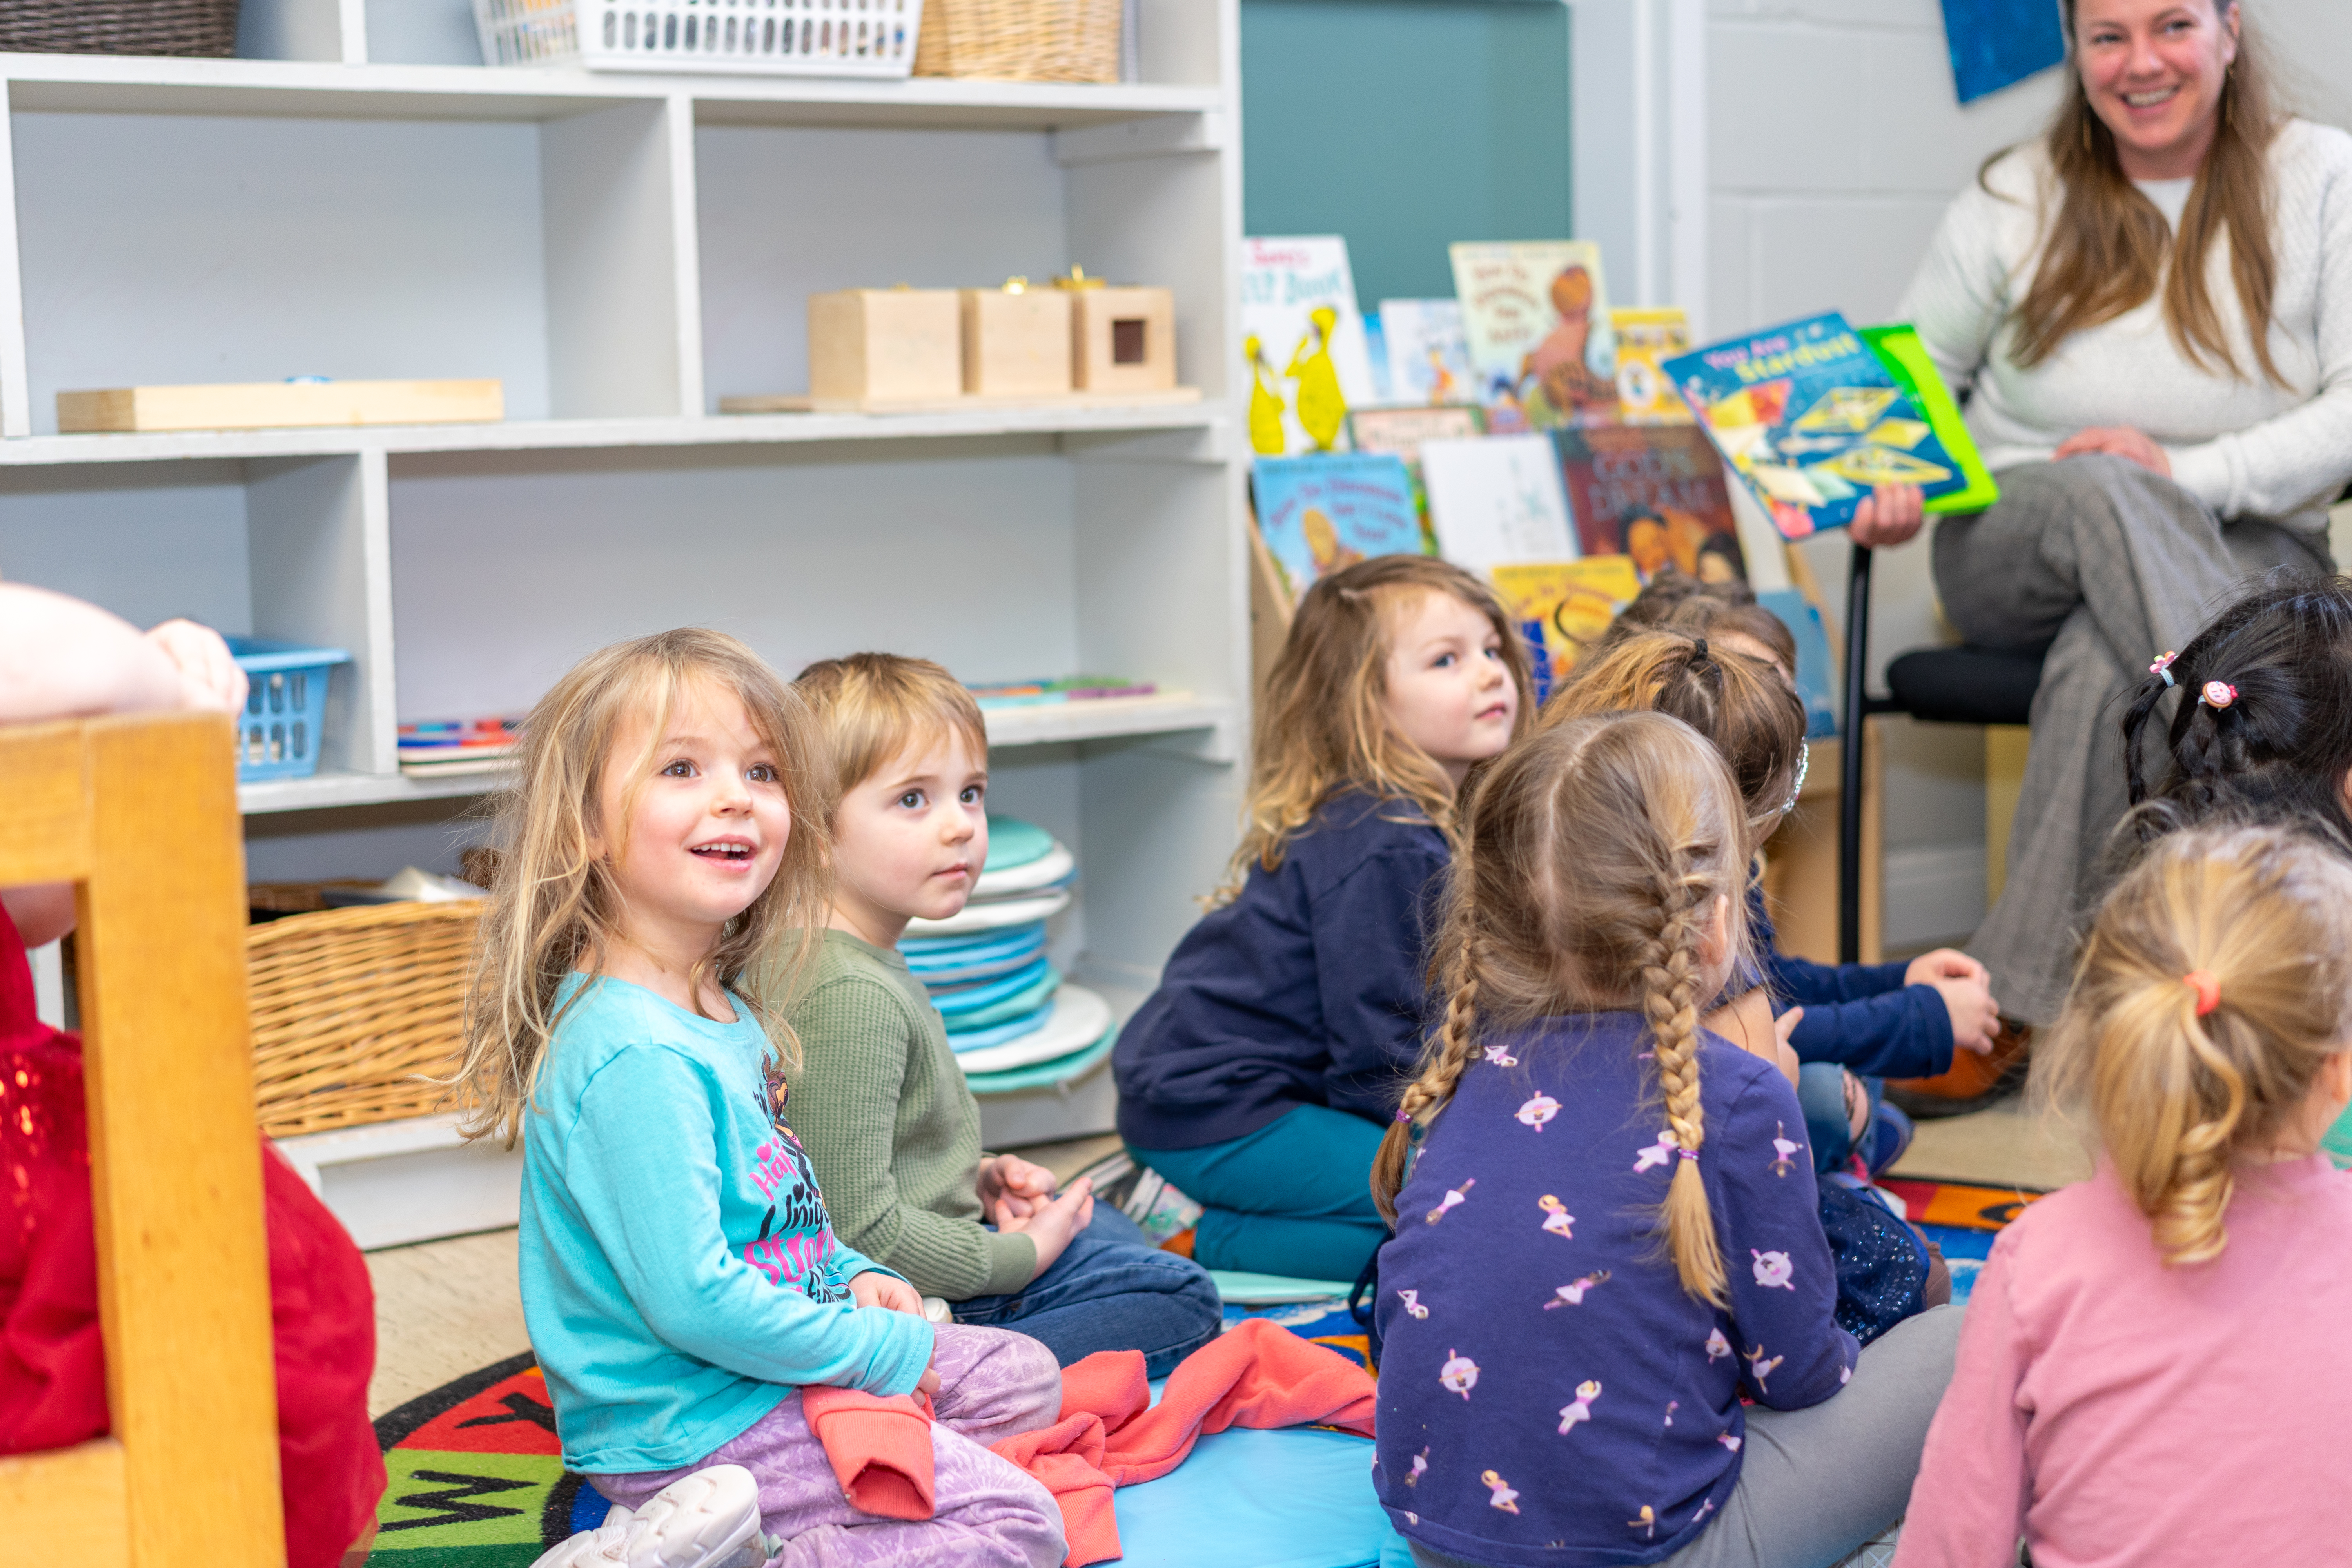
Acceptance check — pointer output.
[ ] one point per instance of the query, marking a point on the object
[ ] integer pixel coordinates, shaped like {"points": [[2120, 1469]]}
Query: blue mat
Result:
{"points": [[1299, 1499]]}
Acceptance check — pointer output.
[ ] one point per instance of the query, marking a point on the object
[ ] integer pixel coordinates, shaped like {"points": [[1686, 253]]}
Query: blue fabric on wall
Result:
{"points": [[1998, 43]]}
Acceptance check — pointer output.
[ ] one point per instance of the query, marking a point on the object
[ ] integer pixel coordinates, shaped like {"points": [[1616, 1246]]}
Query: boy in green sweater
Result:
{"points": [[878, 1100]]}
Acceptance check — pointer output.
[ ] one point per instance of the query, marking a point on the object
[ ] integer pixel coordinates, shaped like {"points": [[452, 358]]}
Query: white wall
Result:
{"points": [[1836, 139]]}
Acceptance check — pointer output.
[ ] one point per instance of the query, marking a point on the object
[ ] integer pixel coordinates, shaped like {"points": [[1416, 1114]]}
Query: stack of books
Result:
{"points": [[1013, 1022], [1068, 689], [435, 747]]}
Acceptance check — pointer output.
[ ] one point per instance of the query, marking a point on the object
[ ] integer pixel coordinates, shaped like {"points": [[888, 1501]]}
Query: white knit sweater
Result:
{"points": [[2243, 445]]}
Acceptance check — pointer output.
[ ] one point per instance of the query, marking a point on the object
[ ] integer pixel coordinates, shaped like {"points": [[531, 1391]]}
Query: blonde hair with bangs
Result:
{"points": [[1597, 851], [1322, 721], [2178, 1099], [876, 707], [556, 908]]}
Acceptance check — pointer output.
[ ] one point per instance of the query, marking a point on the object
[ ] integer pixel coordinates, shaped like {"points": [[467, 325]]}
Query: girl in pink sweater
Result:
{"points": [[2154, 1367]]}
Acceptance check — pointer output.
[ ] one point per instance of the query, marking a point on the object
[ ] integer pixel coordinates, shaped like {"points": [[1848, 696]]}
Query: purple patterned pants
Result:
{"points": [[993, 1385]]}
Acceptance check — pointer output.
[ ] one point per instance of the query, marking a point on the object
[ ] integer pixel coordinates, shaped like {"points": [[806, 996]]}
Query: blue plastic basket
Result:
{"points": [[278, 735]]}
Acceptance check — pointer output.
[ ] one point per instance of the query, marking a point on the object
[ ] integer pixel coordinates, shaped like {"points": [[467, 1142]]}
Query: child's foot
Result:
{"points": [[1884, 1140], [707, 1520]]}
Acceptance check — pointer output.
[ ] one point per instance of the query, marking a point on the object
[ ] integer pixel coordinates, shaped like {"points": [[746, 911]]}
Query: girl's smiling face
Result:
{"points": [[2154, 71], [1450, 692], [706, 830]]}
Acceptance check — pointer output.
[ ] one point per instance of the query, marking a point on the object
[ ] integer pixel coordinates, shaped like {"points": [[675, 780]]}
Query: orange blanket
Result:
{"points": [[879, 1447], [1110, 1435]]}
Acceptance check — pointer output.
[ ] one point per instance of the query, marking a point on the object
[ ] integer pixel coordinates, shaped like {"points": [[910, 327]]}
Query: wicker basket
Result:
{"points": [[120, 27], [1020, 40], [351, 1009]]}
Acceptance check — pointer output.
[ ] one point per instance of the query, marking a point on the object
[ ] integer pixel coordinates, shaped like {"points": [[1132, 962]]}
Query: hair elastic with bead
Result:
{"points": [[1687, 1153], [2217, 694], [2207, 989], [2163, 665], [1402, 1114]]}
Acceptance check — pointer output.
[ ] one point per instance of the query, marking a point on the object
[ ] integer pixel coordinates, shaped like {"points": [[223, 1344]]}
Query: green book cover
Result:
{"points": [[1905, 357]]}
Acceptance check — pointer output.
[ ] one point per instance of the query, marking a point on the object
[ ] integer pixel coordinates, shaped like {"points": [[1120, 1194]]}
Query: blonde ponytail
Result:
{"points": [[2258, 919]]}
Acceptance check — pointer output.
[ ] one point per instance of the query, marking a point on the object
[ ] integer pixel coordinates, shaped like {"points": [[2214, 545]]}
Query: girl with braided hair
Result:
{"points": [[2153, 1367], [1602, 1243], [2277, 745]]}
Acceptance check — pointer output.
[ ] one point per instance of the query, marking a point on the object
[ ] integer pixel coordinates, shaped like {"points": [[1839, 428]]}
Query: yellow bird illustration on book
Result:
{"points": [[1265, 404], [1322, 407]]}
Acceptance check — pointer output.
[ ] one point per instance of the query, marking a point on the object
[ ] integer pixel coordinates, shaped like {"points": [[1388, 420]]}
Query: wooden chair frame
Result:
{"points": [[141, 814]]}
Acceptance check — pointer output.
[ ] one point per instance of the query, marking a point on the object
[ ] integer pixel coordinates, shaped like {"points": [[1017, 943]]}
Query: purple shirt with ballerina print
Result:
{"points": [[1549, 1393]]}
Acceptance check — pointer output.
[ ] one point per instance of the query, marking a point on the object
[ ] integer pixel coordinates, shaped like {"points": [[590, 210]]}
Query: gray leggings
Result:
{"points": [[1814, 1484]]}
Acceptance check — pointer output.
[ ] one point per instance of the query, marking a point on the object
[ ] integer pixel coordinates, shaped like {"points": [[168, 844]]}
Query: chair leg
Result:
{"points": [[1857, 706]]}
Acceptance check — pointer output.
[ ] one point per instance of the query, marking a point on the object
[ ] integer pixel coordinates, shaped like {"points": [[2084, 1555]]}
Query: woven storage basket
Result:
{"points": [[120, 27], [1020, 40], [351, 1007]]}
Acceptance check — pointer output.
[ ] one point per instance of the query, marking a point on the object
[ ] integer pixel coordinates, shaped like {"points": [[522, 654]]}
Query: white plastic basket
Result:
{"points": [[821, 37]]}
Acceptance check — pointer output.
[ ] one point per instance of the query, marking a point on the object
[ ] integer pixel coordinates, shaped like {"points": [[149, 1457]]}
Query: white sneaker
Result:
{"points": [[707, 1520]]}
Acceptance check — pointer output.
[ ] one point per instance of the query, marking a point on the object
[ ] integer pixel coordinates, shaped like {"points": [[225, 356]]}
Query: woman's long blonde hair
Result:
{"points": [[556, 906], [1597, 852], [2108, 247], [1322, 721], [2265, 914]]}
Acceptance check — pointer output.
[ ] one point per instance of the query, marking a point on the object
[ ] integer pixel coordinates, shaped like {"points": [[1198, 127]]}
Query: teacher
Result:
{"points": [[2152, 305]]}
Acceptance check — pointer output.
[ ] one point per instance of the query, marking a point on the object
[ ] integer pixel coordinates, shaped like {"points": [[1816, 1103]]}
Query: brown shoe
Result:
{"points": [[1974, 1080]]}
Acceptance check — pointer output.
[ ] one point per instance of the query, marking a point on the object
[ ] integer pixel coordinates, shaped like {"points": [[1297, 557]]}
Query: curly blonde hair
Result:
{"points": [[1322, 721], [555, 907], [1597, 852], [2176, 1099]]}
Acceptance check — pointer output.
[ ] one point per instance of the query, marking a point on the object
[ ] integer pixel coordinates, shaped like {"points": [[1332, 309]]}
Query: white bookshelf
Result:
{"points": [[363, 199]]}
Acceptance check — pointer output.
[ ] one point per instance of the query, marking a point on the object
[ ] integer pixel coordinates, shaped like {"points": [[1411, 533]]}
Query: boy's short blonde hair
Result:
{"points": [[877, 706]]}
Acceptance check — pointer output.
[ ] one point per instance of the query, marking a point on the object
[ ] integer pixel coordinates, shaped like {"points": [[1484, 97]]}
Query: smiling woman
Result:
{"points": [[2152, 306]]}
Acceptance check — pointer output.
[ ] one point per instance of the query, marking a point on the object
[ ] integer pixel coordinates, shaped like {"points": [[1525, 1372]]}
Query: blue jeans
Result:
{"points": [[1110, 1289], [1295, 1197]]}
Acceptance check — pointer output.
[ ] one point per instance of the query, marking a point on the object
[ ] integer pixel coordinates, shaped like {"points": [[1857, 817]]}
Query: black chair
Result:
{"points": [[1935, 685]]}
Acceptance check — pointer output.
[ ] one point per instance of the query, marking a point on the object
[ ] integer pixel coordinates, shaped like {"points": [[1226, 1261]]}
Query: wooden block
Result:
{"points": [[1016, 345], [1122, 340], [869, 344], [802, 403], [270, 404], [67, 1505]]}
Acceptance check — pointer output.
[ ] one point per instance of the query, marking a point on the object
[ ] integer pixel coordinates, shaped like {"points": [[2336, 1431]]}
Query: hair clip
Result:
{"points": [[2217, 694], [2163, 665], [2207, 989]]}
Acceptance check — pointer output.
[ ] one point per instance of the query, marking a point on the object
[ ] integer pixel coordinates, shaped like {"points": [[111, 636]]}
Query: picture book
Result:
{"points": [[1646, 339], [436, 746], [1316, 371], [1321, 512], [1656, 492], [1428, 358], [1497, 501], [1816, 676], [1905, 357], [1376, 355], [1536, 316], [1811, 419], [1402, 431], [1560, 606]]}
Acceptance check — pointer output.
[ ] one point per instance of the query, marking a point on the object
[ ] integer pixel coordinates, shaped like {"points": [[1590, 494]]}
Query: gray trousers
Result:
{"points": [[1816, 1484], [2108, 565]]}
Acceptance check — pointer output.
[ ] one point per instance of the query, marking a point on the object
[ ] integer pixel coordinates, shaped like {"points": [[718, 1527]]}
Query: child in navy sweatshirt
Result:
{"points": [[1258, 1076], [1608, 1237]]}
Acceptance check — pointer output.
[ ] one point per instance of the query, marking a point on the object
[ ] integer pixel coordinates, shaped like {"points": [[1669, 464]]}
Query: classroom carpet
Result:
{"points": [[476, 1479]]}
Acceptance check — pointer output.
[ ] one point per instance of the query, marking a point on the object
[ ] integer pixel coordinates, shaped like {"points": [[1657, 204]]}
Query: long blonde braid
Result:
{"points": [[1596, 853], [1670, 999]]}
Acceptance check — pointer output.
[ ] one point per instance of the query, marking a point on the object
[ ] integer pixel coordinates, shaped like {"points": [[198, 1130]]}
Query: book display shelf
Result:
{"points": [[622, 251]]}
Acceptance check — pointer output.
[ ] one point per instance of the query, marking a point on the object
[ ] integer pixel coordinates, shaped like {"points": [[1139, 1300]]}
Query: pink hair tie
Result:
{"points": [[1687, 1153], [2217, 694], [2207, 989], [2163, 665], [1402, 1114]]}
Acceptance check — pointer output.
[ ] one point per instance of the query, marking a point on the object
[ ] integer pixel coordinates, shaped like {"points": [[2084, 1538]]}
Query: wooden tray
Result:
{"points": [[802, 403], [266, 404]]}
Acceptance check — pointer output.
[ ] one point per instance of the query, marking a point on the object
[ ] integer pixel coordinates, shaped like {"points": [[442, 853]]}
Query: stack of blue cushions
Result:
{"points": [[1012, 1021]]}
